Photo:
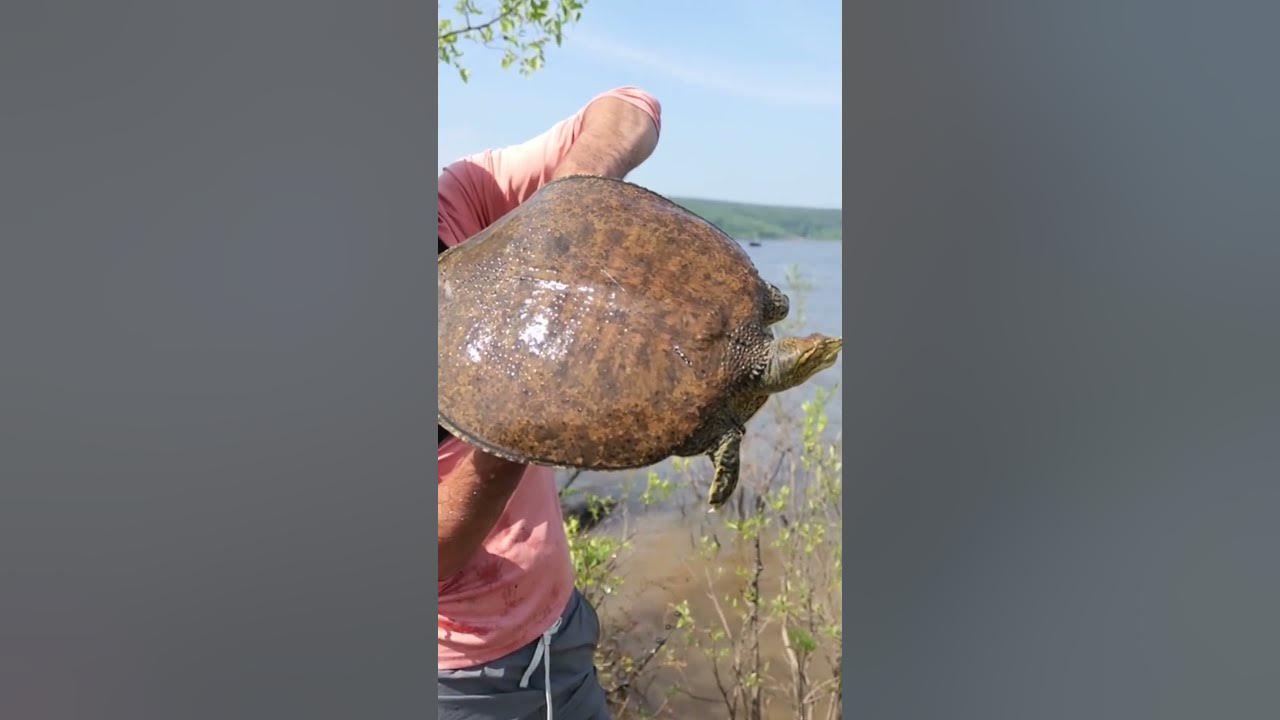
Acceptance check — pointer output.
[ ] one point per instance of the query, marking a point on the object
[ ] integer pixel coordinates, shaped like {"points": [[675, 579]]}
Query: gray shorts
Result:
{"points": [[493, 692]]}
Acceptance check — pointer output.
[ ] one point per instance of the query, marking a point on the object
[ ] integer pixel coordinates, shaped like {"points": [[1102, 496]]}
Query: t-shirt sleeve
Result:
{"points": [[479, 189]]}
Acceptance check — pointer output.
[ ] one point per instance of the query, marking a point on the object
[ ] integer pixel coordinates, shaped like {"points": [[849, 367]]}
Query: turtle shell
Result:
{"points": [[598, 325]]}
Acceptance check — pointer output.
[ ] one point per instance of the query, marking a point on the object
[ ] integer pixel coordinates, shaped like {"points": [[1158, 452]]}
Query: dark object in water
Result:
{"points": [[753, 243], [601, 326], [589, 512]]}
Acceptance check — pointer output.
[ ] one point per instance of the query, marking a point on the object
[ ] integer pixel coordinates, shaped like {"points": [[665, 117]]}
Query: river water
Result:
{"points": [[818, 263]]}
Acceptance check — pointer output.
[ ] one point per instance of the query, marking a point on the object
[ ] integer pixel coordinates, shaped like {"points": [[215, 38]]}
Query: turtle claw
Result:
{"points": [[725, 456]]}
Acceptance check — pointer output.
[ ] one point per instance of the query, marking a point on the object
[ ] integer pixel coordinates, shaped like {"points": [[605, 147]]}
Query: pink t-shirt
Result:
{"points": [[520, 580]]}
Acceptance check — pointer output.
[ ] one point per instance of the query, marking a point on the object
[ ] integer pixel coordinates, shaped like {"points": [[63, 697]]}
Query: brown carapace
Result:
{"points": [[602, 326]]}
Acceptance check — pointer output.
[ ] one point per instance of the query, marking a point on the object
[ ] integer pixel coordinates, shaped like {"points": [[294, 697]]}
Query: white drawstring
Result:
{"points": [[543, 648]]}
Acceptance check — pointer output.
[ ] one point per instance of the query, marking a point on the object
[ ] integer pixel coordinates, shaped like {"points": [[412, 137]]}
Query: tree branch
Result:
{"points": [[472, 28], [691, 696], [816, 691], [724, 621], [757, 696], [731, 704], [624, 686], [572, 478]]}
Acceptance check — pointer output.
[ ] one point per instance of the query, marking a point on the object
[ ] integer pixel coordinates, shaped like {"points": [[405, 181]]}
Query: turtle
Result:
{"points": [[602, 326]]}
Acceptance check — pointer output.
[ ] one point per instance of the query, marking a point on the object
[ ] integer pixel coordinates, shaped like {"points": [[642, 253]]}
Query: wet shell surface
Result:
{"points": [[599, 325]]}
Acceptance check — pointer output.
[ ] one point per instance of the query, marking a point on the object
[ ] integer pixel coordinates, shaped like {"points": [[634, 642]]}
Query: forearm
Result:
{"points": [[470, 504], [616, 137]]}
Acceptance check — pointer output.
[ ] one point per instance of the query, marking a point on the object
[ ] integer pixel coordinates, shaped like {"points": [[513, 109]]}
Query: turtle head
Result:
{"points": [[795, 360]]}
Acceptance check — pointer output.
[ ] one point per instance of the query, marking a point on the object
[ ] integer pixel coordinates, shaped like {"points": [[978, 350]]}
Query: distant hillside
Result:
{"points": [[745, 221]]}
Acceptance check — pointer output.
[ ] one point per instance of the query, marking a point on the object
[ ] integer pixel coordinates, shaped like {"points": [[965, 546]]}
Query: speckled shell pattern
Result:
{"points": [[600, 326]]}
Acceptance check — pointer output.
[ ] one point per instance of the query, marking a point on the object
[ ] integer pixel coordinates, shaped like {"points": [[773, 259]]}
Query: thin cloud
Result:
{"points": [[745, 86]]}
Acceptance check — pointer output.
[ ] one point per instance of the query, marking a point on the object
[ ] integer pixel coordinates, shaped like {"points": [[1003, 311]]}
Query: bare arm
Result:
{"points": [[616, 137], [470, 504]]}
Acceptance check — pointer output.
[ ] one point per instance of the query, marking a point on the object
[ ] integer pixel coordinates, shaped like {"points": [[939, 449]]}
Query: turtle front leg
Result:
{"points": [[776, 305], [726, 455]]}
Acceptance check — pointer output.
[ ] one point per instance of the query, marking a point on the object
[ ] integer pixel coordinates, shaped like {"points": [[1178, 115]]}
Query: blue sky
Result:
{"points": [[750, 92]]}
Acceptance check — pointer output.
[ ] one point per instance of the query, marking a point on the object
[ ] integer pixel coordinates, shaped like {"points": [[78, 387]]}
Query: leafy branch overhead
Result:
{"points": [[521, 29]]}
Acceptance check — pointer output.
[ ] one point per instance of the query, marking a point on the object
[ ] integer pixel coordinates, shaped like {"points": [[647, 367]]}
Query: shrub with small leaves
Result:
{"points": [[521, 29]]}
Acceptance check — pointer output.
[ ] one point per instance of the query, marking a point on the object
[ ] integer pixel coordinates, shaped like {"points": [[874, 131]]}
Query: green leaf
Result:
{"points": [[521, 29], [801, 640]]}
